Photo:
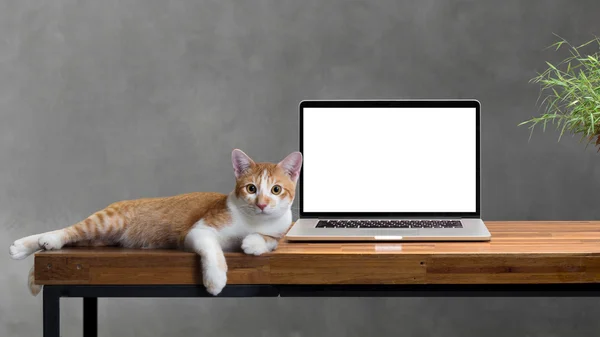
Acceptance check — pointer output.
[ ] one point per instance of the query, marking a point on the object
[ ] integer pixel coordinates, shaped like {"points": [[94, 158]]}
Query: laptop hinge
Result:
{"points": [[375, 217]]}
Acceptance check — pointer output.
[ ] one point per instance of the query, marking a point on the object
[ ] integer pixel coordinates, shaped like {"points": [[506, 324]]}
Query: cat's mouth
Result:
{"points": [[265, 211]]}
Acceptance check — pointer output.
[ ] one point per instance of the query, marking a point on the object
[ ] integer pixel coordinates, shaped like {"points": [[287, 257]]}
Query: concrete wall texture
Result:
{"points": [[108, 100]]}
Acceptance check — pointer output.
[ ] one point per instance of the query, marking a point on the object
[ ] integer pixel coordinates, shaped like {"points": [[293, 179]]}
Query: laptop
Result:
{"points": [[401, 170]]}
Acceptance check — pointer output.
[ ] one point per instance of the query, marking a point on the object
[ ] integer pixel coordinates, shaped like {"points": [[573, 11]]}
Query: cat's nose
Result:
{"points": [[261, 206]]}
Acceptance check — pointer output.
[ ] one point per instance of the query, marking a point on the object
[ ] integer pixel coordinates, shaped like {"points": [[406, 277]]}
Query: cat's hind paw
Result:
{"points": [[254, 244], [19, 251], [214, 279], [50, 241], [24, 247]]}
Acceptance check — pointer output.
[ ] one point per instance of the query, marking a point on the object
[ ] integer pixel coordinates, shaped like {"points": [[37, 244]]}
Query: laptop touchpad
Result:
{"points": [[391, 232]]}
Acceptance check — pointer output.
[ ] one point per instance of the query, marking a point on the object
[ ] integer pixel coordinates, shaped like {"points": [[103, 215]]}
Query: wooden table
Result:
{"points": [[522, 259]]}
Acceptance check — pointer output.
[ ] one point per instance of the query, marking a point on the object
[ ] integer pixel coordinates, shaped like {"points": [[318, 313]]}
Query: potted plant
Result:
{"points": [[570, 92]]}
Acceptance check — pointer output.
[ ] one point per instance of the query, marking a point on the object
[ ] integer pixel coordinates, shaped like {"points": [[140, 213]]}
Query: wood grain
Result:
{"points": [[519, 252], [109, 265]]}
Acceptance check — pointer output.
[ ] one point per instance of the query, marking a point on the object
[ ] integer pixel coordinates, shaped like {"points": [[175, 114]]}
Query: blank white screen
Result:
{"points": [[389, 160]]}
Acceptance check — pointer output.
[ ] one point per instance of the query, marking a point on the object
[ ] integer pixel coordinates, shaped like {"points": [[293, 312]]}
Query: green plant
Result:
{"points": [[571, 92]]}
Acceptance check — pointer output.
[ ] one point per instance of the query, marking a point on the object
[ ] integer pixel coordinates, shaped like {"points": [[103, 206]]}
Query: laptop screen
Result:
{"points": [[415, 159]]}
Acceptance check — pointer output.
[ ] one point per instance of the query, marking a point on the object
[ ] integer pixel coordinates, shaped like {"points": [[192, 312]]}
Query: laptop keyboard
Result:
{"points": [[389, 224]]}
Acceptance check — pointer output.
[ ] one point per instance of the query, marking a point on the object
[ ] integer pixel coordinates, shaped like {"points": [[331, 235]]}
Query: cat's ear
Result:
{"points": [[292, 165], [241, 162]]}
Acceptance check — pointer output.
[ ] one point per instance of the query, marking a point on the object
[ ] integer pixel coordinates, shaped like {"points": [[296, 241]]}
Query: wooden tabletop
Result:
{"points": [[519, 253]]}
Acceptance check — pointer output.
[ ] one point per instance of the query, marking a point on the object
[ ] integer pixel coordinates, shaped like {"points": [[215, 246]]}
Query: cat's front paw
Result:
{"points": [[50, 241], [214, 279], [254, 244]]}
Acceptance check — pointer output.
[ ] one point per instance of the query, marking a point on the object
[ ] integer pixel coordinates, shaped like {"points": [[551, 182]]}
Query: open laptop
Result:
{"points": [[389, 171]]}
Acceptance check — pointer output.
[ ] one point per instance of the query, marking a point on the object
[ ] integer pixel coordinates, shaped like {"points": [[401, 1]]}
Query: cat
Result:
{"points": [[251, 218]]}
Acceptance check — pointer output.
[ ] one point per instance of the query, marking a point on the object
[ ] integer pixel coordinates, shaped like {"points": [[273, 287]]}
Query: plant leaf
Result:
{"points": [[570, 92]]}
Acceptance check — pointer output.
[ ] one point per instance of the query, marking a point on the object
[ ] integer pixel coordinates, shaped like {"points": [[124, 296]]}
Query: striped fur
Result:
{"points": [[251, 218]]}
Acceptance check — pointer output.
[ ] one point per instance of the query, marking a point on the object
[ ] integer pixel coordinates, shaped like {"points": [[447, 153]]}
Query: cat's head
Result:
{"points": [[265, 189]]}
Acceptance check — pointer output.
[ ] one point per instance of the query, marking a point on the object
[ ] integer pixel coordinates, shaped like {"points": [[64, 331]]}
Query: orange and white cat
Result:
{"points": [[252, 217]]}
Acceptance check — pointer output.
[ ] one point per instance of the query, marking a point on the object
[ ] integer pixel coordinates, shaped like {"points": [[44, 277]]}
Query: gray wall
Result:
{"points": [[107, 100]]}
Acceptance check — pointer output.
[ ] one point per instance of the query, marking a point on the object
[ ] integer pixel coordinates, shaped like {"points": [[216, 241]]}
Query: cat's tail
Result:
{"points": [[33, 288]]}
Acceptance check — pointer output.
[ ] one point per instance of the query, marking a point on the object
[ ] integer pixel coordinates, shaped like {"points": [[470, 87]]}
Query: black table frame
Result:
{"points": [[91, 293]]}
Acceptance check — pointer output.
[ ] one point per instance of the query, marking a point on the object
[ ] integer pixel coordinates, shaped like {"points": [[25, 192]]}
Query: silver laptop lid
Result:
{"points": [[390, 159]]}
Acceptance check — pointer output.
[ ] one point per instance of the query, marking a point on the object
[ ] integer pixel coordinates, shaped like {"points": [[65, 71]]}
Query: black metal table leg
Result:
{"points": [[90, 294], [90, 316], [51, 311]]}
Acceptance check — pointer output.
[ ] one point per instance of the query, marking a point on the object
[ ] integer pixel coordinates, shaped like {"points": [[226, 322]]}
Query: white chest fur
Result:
{"points": [[230, 236]]}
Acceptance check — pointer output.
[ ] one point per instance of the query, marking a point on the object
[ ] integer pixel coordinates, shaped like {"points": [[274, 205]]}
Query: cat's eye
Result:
{"points": [[251, 188], [276, 189]]}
